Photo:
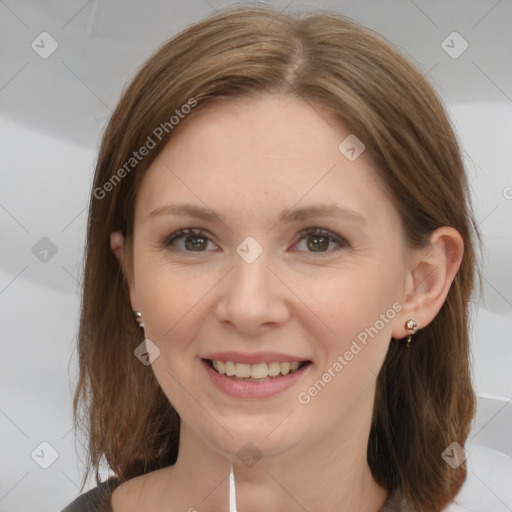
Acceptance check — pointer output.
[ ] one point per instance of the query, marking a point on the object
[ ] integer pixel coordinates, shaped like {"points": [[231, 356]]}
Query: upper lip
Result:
{"points": [[256, 357]]}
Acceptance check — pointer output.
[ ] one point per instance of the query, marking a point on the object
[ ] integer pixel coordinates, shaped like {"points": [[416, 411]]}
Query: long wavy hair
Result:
{"points": [[424, 399]]}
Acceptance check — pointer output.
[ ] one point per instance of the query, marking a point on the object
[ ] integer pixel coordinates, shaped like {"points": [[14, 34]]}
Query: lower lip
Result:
{"points": [[254, 390]]}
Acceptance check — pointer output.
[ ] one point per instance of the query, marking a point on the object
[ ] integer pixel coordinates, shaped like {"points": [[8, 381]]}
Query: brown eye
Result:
{"points": [[319, 241], [189, 240], [196, 243]]}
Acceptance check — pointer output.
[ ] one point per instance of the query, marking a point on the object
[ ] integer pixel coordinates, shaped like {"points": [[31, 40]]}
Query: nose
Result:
{"points": [[253, 298]]}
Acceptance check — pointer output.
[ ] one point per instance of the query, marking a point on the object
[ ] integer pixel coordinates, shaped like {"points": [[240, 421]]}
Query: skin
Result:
{"points": [[248, 161]]}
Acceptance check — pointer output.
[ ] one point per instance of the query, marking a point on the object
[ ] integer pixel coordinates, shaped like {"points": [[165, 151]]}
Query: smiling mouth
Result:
{"points": [[259, 372]]}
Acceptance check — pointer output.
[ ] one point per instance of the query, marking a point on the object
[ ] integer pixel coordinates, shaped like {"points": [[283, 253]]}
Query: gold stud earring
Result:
{"points": [[412, 326], [138, 317]]}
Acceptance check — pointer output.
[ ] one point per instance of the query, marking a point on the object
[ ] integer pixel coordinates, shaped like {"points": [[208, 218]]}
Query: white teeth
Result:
{"points": [[259, 371], [255, 371], [230, 368], [274, 369], [285, 368], [243, 370]]}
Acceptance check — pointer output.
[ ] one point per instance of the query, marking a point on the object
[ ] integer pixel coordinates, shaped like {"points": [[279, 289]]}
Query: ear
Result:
{"points": [[117, 244], [429, 278]]}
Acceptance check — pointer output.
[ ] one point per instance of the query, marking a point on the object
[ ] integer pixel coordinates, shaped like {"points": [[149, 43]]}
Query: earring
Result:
{"points": [[412, 326], [138, 317]]}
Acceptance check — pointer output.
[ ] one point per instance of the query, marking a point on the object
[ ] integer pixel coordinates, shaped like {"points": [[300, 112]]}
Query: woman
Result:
{"points": [[280, 204]]}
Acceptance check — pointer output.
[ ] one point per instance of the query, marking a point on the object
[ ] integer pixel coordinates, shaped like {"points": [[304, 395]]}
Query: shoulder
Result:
{"points": [[95, 500], [395, 503], [140, 492], [129, 494]]}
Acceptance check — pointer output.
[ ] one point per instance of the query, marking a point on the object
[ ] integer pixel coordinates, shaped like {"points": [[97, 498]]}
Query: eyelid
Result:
{"points": [[303, 233], [333, 237], [180, 233]]}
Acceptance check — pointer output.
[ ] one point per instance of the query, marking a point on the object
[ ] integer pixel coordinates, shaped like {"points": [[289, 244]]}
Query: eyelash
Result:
{"points": [[304, 233]]}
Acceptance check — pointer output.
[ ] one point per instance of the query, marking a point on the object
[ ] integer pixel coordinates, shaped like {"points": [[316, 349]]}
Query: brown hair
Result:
{"points": [[424, 399]]}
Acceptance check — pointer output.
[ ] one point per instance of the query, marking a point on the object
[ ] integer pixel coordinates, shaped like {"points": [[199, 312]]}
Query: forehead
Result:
{"points": [[250, 129], [259, 153]]}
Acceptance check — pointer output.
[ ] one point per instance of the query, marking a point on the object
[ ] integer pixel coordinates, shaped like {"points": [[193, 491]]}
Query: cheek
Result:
{"points": [[174, 301], [359, 295], [359, 314], [355, 310], [171, 298]]}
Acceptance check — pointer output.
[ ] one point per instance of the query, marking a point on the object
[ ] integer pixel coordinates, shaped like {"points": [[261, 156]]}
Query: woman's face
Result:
{"points": [[292, 253]]}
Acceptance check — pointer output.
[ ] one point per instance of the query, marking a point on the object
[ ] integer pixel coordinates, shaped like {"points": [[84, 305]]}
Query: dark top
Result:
{"points": [[98, 500]]}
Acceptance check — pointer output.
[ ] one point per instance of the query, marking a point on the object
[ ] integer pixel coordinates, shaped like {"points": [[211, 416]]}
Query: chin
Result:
{"points": [[269, 438]]}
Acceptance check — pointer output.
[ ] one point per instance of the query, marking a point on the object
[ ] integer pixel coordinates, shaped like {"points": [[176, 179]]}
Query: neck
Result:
{"points": [[307, 480], [324, 476]]}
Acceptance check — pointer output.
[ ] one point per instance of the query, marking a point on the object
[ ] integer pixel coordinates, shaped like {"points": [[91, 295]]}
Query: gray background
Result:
{"points": [[52, 113]]}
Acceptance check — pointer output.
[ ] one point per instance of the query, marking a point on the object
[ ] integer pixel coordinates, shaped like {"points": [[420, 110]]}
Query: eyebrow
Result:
{"points": [[287, 216]]}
